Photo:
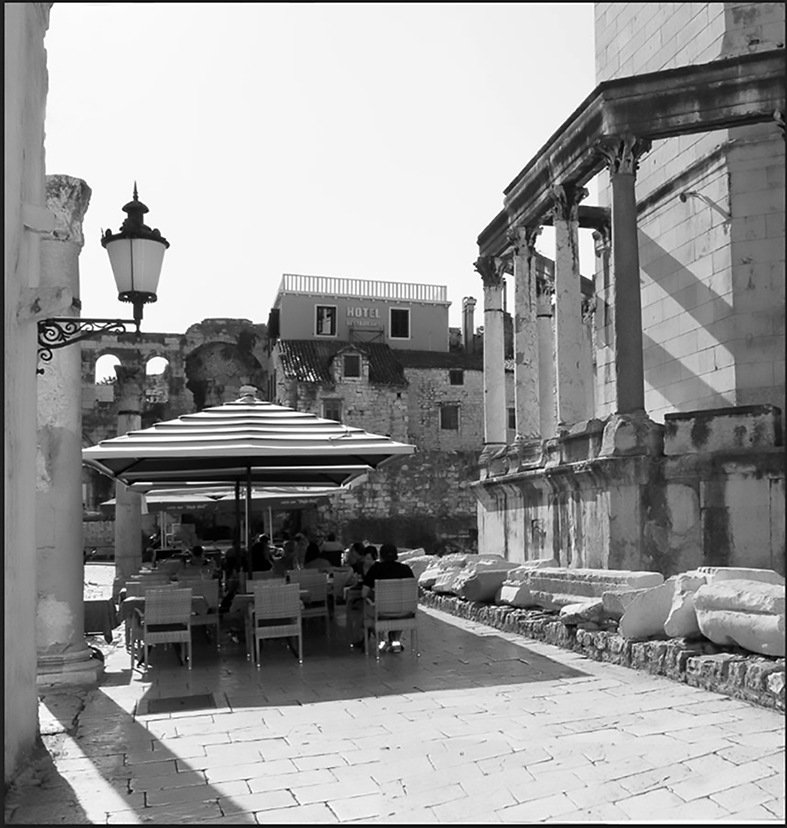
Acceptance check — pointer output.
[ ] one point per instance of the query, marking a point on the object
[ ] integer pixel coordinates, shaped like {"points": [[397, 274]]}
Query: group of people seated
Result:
{"points": [[366, 564]]}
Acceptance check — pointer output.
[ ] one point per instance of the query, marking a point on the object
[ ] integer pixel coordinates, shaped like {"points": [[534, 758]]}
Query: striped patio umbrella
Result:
{"points": [[246, 442]]}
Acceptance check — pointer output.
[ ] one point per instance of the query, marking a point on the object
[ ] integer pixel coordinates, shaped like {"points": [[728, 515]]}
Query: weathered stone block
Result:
{"points": [[582, 612], [616, 602], [682, 619], [692, 432], [646, 615], [749, 614]]}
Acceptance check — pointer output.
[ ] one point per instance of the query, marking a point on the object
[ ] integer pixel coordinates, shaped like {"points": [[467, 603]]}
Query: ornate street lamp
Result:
{"points": [[135, 254]]}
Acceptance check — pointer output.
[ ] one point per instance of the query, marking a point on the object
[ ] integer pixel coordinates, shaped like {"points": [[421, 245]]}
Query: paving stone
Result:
{"points": [[267, 801]]}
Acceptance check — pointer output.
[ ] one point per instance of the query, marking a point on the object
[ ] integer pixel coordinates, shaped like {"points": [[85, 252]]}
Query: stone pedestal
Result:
{"points": [[63, 656]]}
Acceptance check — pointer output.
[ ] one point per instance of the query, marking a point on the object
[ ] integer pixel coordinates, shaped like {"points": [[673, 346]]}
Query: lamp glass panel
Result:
{"points": [[136, 264]]}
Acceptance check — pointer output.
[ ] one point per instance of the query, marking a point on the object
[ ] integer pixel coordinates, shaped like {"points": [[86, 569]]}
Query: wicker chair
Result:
{"points": [[394, 607], [167, 620], [316, 583], [209, 590], [277, 614]]}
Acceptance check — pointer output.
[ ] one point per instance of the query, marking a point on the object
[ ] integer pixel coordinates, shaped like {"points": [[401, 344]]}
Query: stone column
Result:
{"points": [[546, 358], [128, 504], [62, 653], [495, 412], [622, 154], [569, 336], [526, 352]]}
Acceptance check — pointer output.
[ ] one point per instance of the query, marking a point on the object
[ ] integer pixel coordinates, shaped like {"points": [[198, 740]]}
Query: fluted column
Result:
{"points": [[128, 504], [571, 406], [495, 412], [526, 352], [622, 154], [62, 653]]}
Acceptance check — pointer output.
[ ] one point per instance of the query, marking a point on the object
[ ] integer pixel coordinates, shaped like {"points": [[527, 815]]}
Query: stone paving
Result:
{"points": [[486, 727]]}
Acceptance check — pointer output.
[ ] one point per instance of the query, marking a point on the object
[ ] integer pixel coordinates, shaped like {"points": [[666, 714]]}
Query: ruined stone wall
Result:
{"points": [[712, 263], [424, 500]]}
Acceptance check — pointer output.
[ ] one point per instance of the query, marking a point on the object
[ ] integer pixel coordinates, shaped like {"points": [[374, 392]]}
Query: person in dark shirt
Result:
{"points": [[261, 554], [387, 567]]}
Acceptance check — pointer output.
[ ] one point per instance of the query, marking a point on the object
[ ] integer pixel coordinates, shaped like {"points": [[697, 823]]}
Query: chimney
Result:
{"points": [[468, 327]]}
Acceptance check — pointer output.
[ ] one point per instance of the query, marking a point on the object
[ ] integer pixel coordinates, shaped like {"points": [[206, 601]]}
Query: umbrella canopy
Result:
{"points": [[248, 441], [221, 498]]}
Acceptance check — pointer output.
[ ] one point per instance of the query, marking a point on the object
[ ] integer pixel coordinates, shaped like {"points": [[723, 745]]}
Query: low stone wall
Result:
{"points": [[700, 663]]}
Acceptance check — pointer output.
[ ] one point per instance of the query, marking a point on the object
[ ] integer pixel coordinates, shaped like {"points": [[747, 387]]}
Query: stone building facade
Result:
{"points": [[664, 451], [414, 388]]}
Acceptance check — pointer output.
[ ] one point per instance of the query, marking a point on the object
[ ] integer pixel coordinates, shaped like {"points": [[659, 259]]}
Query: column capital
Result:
{"points": [[68, 198], [565, 201], [523, 239], [602, 238], [778, 116], [492, 270], [621, 153]]}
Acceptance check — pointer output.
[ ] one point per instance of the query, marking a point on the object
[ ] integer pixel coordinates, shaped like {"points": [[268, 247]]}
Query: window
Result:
{"points": [[456, 376], [326, 320], [512, 418], [332, 410], [352, 365], [400, 323], [449, 417]]}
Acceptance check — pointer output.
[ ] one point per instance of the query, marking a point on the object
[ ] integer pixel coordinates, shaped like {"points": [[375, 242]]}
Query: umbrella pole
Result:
{"points": [[248, 516], [237, 513]]}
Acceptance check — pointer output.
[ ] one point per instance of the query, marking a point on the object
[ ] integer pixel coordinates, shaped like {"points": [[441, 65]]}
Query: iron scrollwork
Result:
{"points": [[58, 332]]}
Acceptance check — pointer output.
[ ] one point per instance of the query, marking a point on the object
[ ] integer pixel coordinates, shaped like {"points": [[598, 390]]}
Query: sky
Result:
{"points": [[368, 141]]}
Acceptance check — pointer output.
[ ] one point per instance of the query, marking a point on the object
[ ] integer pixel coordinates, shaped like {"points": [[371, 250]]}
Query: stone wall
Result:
{"points": [[712, 496], [424, 500], [699, 663]]}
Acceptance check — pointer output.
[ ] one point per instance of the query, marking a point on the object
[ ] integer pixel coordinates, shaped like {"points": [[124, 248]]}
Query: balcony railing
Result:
{"points": [[363, 288]]}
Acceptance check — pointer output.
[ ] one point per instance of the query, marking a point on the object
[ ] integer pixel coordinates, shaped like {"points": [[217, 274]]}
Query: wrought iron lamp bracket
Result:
{"points": [[58, 332]]}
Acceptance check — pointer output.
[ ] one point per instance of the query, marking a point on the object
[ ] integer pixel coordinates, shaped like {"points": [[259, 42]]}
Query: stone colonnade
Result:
{"points": [[62, 654], [548, 357]]}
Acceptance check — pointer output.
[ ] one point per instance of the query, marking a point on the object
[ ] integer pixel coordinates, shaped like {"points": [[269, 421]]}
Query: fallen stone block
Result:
{"points": [[453, 562], [583, 612], [682, 619], [739, 573], [481, 581], [418, 563], [515, 594], [616, 602], [647, 613], [749, 614]]}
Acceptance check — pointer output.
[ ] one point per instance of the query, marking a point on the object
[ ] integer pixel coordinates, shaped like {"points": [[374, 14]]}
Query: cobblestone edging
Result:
{"points": [[699, 663]]}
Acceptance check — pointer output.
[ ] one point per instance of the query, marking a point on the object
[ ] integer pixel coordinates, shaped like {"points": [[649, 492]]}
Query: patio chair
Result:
{"points": [[167, 620], [394, 607], [209, 590], [316, 604], [277, 614], [267, 575]]}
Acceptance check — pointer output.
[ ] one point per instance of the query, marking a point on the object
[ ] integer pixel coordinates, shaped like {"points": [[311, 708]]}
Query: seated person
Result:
{"points": [[315, 560], [369, 558], [354, 557], [332, 549], [261, 554], [387, 567], [285, 561]]}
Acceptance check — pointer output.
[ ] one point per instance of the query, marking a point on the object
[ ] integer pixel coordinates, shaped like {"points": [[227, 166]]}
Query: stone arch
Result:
{"points": [[215, 372]]}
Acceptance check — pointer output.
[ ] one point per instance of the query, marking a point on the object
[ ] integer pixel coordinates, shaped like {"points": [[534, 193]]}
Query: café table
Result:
{"points": [[135, 604]]}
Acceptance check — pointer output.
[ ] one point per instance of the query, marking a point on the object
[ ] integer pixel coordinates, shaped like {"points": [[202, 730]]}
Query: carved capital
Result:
{"points": [[602, 239], [492, 270], [68, 198], [778, 116], [565, 201], [621, 153], [523, 239]]}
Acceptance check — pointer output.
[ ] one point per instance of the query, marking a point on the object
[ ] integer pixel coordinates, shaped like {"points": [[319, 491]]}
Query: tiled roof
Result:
{"points": [[309, 360], [440, 359]]}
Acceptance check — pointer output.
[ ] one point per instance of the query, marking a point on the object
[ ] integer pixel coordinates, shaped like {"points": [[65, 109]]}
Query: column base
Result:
{"points": [[62, 669], [632, 434]]}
